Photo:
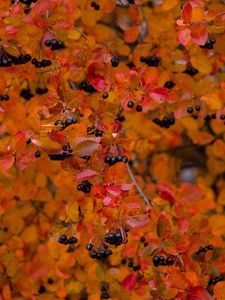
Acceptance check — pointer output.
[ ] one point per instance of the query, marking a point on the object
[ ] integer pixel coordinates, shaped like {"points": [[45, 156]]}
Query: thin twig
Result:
{"points": [[142, 194]]}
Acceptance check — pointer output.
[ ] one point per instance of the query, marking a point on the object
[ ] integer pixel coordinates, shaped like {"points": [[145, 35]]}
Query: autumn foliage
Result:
{"points": [[112, 150]]}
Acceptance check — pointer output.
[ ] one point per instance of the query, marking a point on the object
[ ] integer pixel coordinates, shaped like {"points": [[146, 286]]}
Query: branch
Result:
{"points": [[142, 194]]}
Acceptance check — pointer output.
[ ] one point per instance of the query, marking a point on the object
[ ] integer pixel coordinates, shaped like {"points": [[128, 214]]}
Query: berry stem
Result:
{"points": [[140, 191]]}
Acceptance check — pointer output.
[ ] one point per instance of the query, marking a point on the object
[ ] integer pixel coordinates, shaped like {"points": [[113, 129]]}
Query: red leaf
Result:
{"points": [[6, 162], [86, 146], [161, 95], [198, 293], [86, 174], [186, 13], [137, 221], [166, 192], [129, 282], [131, 34], [57, 137], [199, 33]]}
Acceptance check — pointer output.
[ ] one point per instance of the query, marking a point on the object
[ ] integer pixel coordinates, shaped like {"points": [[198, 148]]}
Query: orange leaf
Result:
{"points": [[57, 137], [219, 290], [131, 34], [200, 138]]}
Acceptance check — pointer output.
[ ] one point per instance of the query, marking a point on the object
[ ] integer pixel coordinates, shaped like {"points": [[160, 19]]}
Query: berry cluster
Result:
{"points": [[116, 238], [151, 61], [41, 91], [6, 59], [115, 62], [112, 160], [59, 156], [104, 292], [166, 122], [130, 264], [209, 44], [169, 84], [26, 93], [101, 254], [131, 64], [42, 289], [191, 71], [4, 97], [95, 5], [205, 249], [41, 64], [214, 280], [55, 44], [86, 87], [65, 241], [85, 186], [159, 260], [27, 2], [131, 1], [93, 130], [67, 123]]}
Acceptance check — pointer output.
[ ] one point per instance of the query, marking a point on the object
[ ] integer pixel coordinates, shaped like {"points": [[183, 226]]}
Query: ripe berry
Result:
{"points": [[138, 108], [169, 260], [123, 261], [72, 240], [28, 141], [105, 295], [197, 108], [190, 109], [93, 254], [191, 71], [130, 264], [105, 95], [130, 65], [156, 261], [142, 239], [37, 154], [68, 122], [222, 117], [213, 116], [59, 122], [210, 247], [89, 247], [42, 289], [115, 62], [137, 268], [120, 118], [50, 281], [169, 84], [124, 159], [62, 239]]}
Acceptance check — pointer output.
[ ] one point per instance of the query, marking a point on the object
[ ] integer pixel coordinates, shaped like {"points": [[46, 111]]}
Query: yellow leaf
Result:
{"points": [[72, 211], [201, 63], [169, 4], [73, 34], [197, 14]]}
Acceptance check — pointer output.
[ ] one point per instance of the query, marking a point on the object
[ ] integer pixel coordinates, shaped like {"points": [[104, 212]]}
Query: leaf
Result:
{"points": [[113, 190], [86, 174], [57, 137], [166, 192], [184, 36], [219, 290], [163, 227], [198, 293], [137, 221], [186, 13], [24, 159], [200, 138], [72, 211], [86, 146], [199, 33], [7, 161], [131, 34], [129, 282]]}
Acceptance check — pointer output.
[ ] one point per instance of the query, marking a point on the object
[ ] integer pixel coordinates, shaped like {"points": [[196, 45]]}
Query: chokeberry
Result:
{"points": [[197, 108], [123, 261], [169, 84], [28, 141], [37, 154], [42, 289], [190, 109], [105, 95], [50, 281], [136, 268], [138, 108], [89, 247], [115, 62], [142, 239]]}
